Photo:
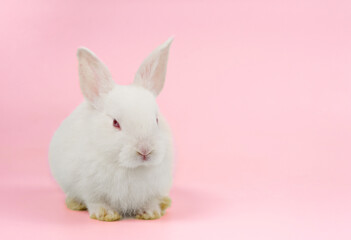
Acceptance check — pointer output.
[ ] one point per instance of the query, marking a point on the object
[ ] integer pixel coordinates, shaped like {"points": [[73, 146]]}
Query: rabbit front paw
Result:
{"points": [[103, 213], [149, 214], [155, 209]]}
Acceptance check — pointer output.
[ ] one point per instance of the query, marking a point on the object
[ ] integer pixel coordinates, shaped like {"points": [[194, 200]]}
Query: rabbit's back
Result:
{"points": [[68, 147]]}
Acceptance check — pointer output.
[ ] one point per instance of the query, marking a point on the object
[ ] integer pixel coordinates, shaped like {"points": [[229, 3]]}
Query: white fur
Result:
{"points": [[97, 164]]}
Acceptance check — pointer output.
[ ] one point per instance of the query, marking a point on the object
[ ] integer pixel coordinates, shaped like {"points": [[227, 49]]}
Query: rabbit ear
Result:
{"points": [[152, 72], [95, 78]]}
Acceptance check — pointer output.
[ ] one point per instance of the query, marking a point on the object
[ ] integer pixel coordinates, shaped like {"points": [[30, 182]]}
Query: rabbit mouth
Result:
{"points": [[133, 158], [144, 158]]}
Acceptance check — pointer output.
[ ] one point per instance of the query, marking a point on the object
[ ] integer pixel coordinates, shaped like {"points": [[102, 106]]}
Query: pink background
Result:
{"points": [[258, 95]]}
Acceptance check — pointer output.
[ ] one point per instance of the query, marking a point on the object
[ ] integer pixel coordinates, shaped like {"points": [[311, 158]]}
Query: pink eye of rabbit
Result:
{"points": [[116, 124]]}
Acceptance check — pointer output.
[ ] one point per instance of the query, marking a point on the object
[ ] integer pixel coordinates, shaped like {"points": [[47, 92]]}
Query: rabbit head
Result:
{"points": [[133, 131]]}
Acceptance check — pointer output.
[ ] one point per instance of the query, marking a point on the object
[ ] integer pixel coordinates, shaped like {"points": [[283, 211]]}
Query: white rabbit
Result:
{"points": [[113, 154]]}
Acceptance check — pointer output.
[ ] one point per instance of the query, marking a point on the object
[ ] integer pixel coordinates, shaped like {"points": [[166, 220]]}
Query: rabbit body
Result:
{"points": [[113, 154]]}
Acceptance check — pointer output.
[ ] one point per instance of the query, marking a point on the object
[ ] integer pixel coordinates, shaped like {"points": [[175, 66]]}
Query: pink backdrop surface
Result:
{"points": [[258, 94]]}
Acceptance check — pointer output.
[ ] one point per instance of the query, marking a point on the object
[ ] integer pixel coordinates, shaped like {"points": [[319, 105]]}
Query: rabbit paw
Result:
{"points": [[75, 205], [165, 203], [155, 209], [104, 214], [149, 215]]}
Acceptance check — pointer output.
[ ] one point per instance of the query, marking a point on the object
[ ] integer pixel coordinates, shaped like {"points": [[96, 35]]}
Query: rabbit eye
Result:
{"points": [[116, 124], [157, 120]]}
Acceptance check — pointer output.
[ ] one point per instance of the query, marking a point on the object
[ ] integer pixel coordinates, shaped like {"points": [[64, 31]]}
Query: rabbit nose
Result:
{"points": [[144, 153]]}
